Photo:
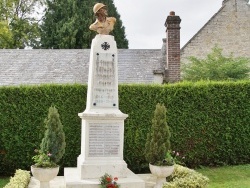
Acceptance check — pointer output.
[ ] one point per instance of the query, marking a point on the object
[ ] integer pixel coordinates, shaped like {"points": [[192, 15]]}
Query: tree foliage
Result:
{"points": [[216, 67], [18, 25], [5, 35], [66, 24]]}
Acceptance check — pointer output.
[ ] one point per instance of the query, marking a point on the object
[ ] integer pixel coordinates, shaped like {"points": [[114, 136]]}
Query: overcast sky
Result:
{"points": [[144, 19]]}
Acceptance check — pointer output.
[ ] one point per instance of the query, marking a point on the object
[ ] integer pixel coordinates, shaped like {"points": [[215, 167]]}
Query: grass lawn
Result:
{"points": [[228, 176], [4, 181]]}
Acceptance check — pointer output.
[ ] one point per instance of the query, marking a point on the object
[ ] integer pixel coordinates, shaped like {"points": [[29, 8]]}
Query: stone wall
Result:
{"points": [[229, 28]]}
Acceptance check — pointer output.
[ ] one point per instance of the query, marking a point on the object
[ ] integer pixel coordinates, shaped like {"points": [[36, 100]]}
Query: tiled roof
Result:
{"points": [[19, 67]]}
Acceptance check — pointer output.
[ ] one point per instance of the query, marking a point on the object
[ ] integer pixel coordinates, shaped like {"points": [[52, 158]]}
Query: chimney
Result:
{"points": [[172, 67]]}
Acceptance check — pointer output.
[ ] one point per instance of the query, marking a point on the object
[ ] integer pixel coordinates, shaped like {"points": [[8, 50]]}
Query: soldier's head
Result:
{"points": [[100, 9]]}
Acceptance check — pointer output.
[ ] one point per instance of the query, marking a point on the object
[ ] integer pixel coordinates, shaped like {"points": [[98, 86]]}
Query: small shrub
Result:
{"points": [[21, 179], [183, 177], [54, 137], [158, 139]]}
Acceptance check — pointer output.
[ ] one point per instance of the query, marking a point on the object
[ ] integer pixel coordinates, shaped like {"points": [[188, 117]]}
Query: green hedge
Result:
{"points": [[209, 121], [22, 113]]}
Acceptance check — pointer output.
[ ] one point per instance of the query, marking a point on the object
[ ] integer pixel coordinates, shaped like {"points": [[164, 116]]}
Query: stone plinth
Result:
{"points": [[102, 145], [59, 181]]}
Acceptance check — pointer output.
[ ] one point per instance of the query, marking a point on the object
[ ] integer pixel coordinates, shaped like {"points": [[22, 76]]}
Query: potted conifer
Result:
{"points": [[51, 150], [157, 148]]}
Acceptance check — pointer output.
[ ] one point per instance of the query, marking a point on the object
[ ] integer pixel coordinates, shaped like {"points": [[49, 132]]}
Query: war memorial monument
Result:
{"points": [[102, 134]]}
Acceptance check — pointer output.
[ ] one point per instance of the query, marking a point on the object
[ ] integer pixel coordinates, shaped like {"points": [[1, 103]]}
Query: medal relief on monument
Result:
{"points": [[105, 46], [104, 140], [104, 87]]}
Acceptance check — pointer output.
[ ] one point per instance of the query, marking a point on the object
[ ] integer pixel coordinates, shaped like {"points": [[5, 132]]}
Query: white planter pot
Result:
{"points": [[44, 175], [161, 172]]}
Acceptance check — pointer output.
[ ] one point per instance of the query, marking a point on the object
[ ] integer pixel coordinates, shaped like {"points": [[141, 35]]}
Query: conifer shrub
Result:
{"points": [[54, 137], [158, 139]]}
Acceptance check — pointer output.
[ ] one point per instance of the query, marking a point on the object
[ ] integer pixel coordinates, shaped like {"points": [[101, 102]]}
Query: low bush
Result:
{"points": [[21, 179], [184, 177]]}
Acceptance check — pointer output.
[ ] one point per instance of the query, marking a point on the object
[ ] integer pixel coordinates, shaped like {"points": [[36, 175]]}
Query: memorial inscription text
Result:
{"points": [[104, 140], [104, 80]]}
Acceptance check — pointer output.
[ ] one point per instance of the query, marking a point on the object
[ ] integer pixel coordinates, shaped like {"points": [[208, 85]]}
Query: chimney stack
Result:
{"points": [[172, 67]]}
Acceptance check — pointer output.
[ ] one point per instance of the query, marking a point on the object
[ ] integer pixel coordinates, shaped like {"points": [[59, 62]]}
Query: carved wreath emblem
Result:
{"points": [[105, 46]]}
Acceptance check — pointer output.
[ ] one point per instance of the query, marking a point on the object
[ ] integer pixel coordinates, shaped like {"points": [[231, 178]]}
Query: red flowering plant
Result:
{"points": [[107, 181]]}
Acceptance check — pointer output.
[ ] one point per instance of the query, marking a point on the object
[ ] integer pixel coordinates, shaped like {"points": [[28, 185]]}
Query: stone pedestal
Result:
{"points": [[102, 124], [102, 145]]}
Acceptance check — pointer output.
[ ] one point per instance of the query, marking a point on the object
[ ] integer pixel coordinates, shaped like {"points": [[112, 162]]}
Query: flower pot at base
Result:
{"points": [[44, 175], [161, 172]]}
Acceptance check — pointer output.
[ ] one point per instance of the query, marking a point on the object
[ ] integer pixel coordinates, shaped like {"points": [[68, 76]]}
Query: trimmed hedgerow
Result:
{"points": [[185, 177], [211, 125], [209, 121], [23, 110], [21, 179]]}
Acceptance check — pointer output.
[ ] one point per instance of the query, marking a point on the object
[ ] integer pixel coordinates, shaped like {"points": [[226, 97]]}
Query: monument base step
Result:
{"points": [[59, 181], [72, 180]]}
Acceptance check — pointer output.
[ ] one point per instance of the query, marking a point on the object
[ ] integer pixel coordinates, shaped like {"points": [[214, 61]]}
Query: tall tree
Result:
{"points": [[19, 27], [5, 35], [66, 24]]}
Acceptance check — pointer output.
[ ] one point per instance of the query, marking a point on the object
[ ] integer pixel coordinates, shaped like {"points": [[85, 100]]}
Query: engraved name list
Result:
{"points": [[104, 80], [104, 140]]}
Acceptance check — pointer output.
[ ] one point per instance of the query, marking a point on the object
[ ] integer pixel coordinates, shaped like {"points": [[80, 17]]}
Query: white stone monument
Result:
{"points": [[102, 121], [102, 124]]}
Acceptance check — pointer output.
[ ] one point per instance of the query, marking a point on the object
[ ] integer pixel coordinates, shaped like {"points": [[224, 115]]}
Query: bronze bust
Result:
{"points": [[103, 24]]}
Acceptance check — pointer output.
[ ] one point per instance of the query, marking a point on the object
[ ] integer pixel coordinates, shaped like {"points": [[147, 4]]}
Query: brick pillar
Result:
{"points": [[172, 68]]}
